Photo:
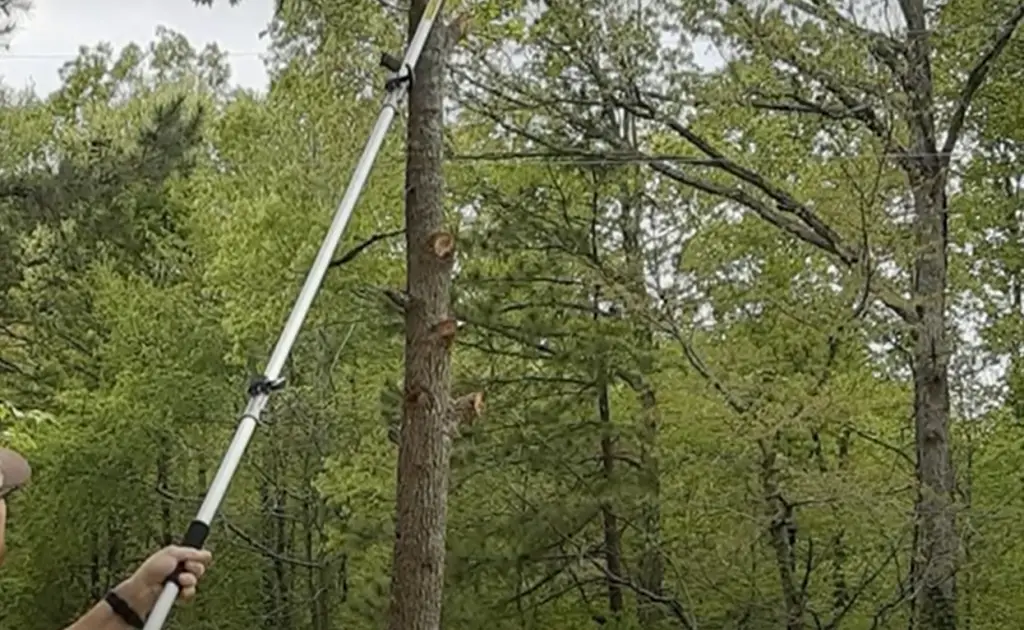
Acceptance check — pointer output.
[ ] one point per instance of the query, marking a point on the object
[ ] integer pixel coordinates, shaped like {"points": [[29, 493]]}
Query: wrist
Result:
{"points": [[140, 597]]}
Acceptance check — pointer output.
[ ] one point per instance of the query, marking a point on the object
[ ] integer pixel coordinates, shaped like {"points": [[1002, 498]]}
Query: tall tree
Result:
{"points": [[885, 94], [424, 451]]}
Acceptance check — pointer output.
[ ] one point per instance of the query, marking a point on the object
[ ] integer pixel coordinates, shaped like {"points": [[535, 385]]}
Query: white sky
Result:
{"points": [[52, 32]]}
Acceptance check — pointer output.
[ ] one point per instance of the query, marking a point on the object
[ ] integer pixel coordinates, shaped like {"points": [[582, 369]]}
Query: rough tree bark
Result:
{"points": [[424, 450], [935, 566]]}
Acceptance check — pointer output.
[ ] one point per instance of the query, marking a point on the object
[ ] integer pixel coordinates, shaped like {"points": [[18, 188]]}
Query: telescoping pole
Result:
{"points": [[259, 391]]}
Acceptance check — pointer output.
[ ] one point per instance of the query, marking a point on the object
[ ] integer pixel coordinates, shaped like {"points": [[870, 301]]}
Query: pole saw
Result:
{"points": [[397, 88]]}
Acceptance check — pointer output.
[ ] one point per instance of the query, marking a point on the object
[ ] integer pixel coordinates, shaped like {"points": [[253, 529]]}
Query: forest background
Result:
{"points": [[750, 336]]}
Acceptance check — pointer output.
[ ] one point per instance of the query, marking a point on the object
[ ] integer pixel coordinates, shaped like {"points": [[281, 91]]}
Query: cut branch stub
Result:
{"points": [[445, 330], [464, 412], [442, 244], [467, 409]]}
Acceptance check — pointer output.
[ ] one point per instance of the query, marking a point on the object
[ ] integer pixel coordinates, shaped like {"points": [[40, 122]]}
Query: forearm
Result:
{"points": [[102, 615]]}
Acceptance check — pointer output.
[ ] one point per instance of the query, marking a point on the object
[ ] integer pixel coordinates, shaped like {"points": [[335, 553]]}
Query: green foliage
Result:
{"points": [[728, 394]]}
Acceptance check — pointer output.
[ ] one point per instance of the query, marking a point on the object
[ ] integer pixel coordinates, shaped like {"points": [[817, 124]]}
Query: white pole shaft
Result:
{"points": [[199, 528]]}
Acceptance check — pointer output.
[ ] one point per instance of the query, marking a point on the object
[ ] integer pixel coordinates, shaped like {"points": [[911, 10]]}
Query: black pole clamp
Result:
{"points": [[394, 64], [262, 386]]}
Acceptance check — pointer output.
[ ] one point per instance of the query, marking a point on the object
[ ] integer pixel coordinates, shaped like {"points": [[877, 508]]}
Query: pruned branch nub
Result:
{"points": [[442, 245], [445, 331], [463, 412]]}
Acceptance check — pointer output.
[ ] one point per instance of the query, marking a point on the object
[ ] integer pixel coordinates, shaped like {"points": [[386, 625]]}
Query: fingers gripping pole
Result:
{"points": [[259, 392]]}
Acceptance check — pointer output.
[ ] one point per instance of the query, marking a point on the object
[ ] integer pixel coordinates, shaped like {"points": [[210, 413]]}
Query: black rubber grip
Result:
{"points": [[195, 536]]}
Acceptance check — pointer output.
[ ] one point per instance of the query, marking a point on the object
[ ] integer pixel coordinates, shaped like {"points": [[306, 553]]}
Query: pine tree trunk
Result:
{"points": [[424, 451]]}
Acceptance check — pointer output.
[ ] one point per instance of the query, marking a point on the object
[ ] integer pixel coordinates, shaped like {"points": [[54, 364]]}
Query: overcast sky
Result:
{"points": [[52, 32]]}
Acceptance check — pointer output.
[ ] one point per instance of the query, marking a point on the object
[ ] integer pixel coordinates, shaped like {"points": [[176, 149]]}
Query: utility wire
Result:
{"points": [[944, 30], [597, 159], [69, 56]]}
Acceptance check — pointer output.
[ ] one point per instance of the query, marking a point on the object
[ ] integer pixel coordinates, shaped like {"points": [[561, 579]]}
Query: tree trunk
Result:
{"points": [[1015, 287], [840, 588], [96, 585], [612, 542], [935, 582], [652, 564], [937, 545], [782, 530], [935, 562], [115, 537], [424, 450], [967, 586]]}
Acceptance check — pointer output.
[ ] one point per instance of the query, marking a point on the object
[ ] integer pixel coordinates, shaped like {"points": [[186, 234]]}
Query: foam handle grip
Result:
{"points": [[195, 536]]}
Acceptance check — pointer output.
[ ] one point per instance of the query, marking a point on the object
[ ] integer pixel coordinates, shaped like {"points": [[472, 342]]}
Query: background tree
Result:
{"points": [[606, 262]]}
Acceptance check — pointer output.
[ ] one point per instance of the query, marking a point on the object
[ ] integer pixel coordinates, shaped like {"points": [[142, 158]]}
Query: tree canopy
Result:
{"points": [[749, 330]]}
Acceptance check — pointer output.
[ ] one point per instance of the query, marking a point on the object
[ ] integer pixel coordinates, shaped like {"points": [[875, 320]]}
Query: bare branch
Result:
{"points": [[397, 300], [671, 603], [738, 405], [786, 203], [885, 49], [976, 78], [766, 212], [882, 443], [259, 547], [351, 254], [536, 586], [868, 580], [248, 540]]}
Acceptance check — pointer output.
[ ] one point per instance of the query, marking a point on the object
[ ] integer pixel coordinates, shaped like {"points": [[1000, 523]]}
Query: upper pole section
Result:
{"points": [[412, 53], [397, 88]]}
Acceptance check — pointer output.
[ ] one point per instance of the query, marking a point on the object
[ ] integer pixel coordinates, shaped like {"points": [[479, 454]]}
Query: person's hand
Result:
{"points": [[143, 588]]}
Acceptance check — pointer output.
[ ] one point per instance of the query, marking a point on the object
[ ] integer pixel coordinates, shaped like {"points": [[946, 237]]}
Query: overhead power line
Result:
{"points": [[944, 30], [69, 56]]}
